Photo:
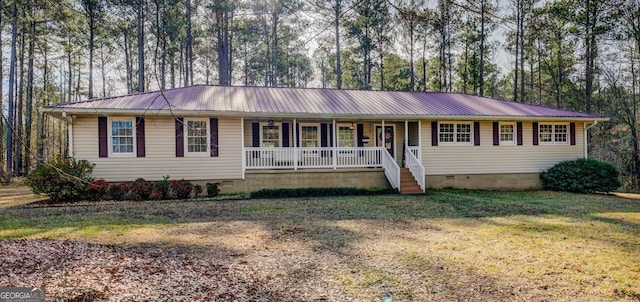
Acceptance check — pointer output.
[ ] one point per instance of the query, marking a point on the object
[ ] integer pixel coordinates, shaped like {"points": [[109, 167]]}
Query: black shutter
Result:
{"points": [[572, 133], [434, 133], [496, 133], [519, 133], [476, 133], [213, 137], [285, 134], [323, 135], [255, 134], [179, 137], [535, 133], [140, 146], [360, 133], [103, 137]]}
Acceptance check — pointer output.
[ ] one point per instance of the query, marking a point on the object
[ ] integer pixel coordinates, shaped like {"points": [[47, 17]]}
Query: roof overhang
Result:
{"points": [[64, 113]]}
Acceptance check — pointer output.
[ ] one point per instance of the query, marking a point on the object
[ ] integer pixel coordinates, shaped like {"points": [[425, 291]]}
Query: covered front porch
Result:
{"points": [[281, 144]]}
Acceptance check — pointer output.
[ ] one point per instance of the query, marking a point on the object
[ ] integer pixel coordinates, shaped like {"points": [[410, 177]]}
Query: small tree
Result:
{"points": [[62, 179], [582, 176]]}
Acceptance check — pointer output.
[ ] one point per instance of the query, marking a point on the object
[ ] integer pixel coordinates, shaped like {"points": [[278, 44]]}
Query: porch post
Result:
{"points": [[295, 144], [335, 145], [244, 152], [382, 137], [406, 133], [420, 140]]}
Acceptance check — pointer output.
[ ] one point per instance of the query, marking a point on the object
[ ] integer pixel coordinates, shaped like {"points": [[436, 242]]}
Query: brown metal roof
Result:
{"points": [[266, 101]]}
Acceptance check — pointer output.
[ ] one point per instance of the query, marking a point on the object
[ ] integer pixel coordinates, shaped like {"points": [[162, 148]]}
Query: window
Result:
{"points": [[309, 136], [346, 136], [507, 133], [554, 133], [197, 139], [455, 133], [122, 136], [270, 136]]}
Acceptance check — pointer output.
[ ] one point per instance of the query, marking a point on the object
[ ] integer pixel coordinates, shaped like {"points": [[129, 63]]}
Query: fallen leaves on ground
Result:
{"points": [[79, 271]]}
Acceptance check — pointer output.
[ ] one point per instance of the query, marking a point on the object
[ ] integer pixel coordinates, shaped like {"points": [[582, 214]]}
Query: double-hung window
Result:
{"points": [[309, 135], [270, 135], [346, 136], [122, 134], [554, 133], [455, 133], [197, 136], [507, 133]]}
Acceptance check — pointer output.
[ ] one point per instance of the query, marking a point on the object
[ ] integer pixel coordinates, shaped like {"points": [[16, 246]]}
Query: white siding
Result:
{"points": [[160, 159], [488, 159]]}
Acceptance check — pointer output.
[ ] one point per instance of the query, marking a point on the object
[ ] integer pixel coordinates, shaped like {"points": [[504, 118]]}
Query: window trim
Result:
{"points": [[553, 134], [261, 130], [110, 136], [355, 134], [346, 153], [515, 134], [186, 137], [455, 132], [317, 125]]}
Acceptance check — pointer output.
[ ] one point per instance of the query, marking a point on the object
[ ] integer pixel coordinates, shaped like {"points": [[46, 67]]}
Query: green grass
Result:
{"points": [[446, 245]]}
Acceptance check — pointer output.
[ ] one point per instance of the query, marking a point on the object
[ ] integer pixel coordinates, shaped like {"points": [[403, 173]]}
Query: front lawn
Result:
{"points": [[445, 246]]}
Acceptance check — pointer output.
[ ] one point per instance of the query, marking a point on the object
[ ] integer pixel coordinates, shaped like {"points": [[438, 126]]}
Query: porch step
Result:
{"points": [[408, 184]]}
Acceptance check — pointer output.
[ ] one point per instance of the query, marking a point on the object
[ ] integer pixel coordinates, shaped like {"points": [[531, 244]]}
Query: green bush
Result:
{"points": [[582, 176], [318, 192], [213, 189], [62, 179]]}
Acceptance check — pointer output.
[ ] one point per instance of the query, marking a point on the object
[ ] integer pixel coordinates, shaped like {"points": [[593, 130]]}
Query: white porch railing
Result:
{"points": [[415, 166], [415, 150], [391, 169], [309, 158]]}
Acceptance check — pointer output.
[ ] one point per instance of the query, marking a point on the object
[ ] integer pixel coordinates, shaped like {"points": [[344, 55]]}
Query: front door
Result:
{"points": [[388, 138]]}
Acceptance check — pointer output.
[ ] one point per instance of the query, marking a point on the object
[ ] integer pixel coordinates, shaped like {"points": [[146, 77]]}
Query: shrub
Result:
{"points": [[98, 189], [62, 179], [181, 189], [120, 191], [140, 190], [197, 190], [306, 192], [161, 188], [213, 189], [581, 176]]}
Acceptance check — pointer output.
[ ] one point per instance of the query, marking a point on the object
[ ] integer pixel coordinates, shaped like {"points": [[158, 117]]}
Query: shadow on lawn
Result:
{"points": [[318, 224]]}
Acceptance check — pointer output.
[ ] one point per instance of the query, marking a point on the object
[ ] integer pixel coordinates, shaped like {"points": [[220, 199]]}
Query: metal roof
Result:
{"points": [[306, 102]]}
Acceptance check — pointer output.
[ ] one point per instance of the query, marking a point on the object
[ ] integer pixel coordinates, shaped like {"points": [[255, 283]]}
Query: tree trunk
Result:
{"points": [[2, 159], [189, 74], [338, 11], [482, 38], [140, 34], [12, 79], [29, 105], [517, 54], [91, 38]]}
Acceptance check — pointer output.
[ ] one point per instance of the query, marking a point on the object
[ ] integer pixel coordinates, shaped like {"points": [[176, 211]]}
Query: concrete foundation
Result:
{"points": [[511, 181], [320, 178]]}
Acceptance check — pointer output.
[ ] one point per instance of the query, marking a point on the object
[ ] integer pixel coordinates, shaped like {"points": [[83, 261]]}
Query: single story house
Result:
{"points": [[248, 138]]}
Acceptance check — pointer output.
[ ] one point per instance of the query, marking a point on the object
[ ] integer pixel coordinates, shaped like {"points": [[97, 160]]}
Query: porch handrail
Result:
{"points": [[415, 150], [415, 166], [391, 169], [312, 157]]}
